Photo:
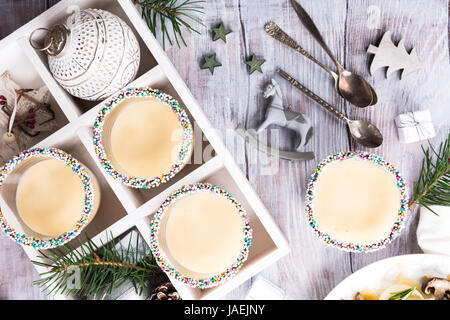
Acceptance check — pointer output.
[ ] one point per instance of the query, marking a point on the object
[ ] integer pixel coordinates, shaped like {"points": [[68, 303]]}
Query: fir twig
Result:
{"points": [[433, 186], [102, 269], [402, 295], [177, 13]]}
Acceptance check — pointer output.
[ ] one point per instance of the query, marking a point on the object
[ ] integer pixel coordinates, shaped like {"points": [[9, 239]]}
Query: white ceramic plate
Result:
{"points": [[379, 275]]}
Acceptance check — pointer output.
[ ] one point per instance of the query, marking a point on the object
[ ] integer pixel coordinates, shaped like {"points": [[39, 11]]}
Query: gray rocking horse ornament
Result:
{"points": [[278, 115]]}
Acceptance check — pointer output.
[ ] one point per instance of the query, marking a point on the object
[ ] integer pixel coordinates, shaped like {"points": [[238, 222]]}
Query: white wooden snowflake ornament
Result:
{"points": [[393, 57]]}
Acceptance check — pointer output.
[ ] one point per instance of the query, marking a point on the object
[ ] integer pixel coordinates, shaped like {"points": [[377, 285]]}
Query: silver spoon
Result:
{"points": [[347, 83], [363, 132], [351, 86]]}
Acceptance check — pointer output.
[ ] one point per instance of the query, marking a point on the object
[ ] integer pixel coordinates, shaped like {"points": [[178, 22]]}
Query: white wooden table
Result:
{"points": [[231, 97]]}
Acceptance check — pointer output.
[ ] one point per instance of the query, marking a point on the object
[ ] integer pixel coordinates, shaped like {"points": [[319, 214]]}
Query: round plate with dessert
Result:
{"points": [[407, 277]]}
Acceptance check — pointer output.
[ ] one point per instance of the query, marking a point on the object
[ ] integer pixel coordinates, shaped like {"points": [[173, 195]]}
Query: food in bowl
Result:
{"points": [[50, 197], [143, 137], [356, 201], [201, 235], [431, 288]]}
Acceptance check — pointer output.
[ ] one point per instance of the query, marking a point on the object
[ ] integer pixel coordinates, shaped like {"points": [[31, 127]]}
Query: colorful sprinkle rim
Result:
{"points": [[85, 179], [361, 156], [185, 150], [162, 260]]}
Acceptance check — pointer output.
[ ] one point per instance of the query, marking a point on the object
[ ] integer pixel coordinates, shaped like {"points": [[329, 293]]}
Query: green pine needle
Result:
{"points": [[102, 269], [433, 186], [402, 295], [174, 12]]}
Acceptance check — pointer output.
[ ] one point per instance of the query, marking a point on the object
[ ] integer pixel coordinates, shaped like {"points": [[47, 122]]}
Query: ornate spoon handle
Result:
{"points": [[312, 95], [310, 25], [277, 33]]}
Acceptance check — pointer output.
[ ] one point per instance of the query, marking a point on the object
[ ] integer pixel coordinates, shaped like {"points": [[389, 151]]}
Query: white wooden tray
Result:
{"points": [[123, 208]]}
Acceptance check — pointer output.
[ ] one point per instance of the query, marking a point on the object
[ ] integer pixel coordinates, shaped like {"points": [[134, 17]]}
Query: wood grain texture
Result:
{"points": [[14, 14], [231, 97], [427, 88], [16, 271]]}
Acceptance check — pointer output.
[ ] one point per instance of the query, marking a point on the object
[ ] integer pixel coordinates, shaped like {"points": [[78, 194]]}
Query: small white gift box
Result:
{"points": [[415, 126]]}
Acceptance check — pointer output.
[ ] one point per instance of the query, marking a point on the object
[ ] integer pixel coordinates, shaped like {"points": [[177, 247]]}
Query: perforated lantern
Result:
{"points": [[93, 55]]}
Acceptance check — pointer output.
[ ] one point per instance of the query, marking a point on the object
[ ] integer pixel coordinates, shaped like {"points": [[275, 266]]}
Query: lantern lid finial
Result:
{"points": [[55, 41]]}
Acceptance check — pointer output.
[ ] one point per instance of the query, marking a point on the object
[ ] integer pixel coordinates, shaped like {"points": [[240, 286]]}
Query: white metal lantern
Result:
{"points": [[93, 55]]}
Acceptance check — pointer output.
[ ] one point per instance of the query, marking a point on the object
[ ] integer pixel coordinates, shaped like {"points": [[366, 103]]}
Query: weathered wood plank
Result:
{"points": [[16, 271], [232, 97], [16, 13], [426, 30]]}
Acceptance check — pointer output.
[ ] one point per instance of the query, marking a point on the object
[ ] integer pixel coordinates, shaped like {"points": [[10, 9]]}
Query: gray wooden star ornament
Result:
{"points": [[254, 64], [210, 63], [220, 33]]}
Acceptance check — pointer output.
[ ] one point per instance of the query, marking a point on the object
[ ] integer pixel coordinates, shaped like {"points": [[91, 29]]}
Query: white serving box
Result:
{"points": [[123, 208]]}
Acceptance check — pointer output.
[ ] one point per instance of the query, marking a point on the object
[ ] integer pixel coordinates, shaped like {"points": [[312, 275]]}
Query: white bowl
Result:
{"points": [[160, 249], [349, 246], [11, 223], [102, 128]]}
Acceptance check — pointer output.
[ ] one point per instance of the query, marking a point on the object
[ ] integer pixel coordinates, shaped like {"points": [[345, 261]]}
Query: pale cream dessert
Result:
{"points": [[356, 201], [50, 197], [203, 234], [145, 138]]}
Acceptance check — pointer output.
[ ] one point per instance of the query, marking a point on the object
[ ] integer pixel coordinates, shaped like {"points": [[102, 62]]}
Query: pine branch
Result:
{"points": [[99, 263], [402, 295], [173, 13], [433, 186], [101, 269]]}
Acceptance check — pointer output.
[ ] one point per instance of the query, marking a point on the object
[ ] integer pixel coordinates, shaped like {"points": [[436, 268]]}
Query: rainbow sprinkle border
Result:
{"points": [[162, 260], [185, 151], [77, 168], [363, 156]]}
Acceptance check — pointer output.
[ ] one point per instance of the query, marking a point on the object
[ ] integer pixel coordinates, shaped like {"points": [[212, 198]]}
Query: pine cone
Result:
{"points": [[165, 291]]}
